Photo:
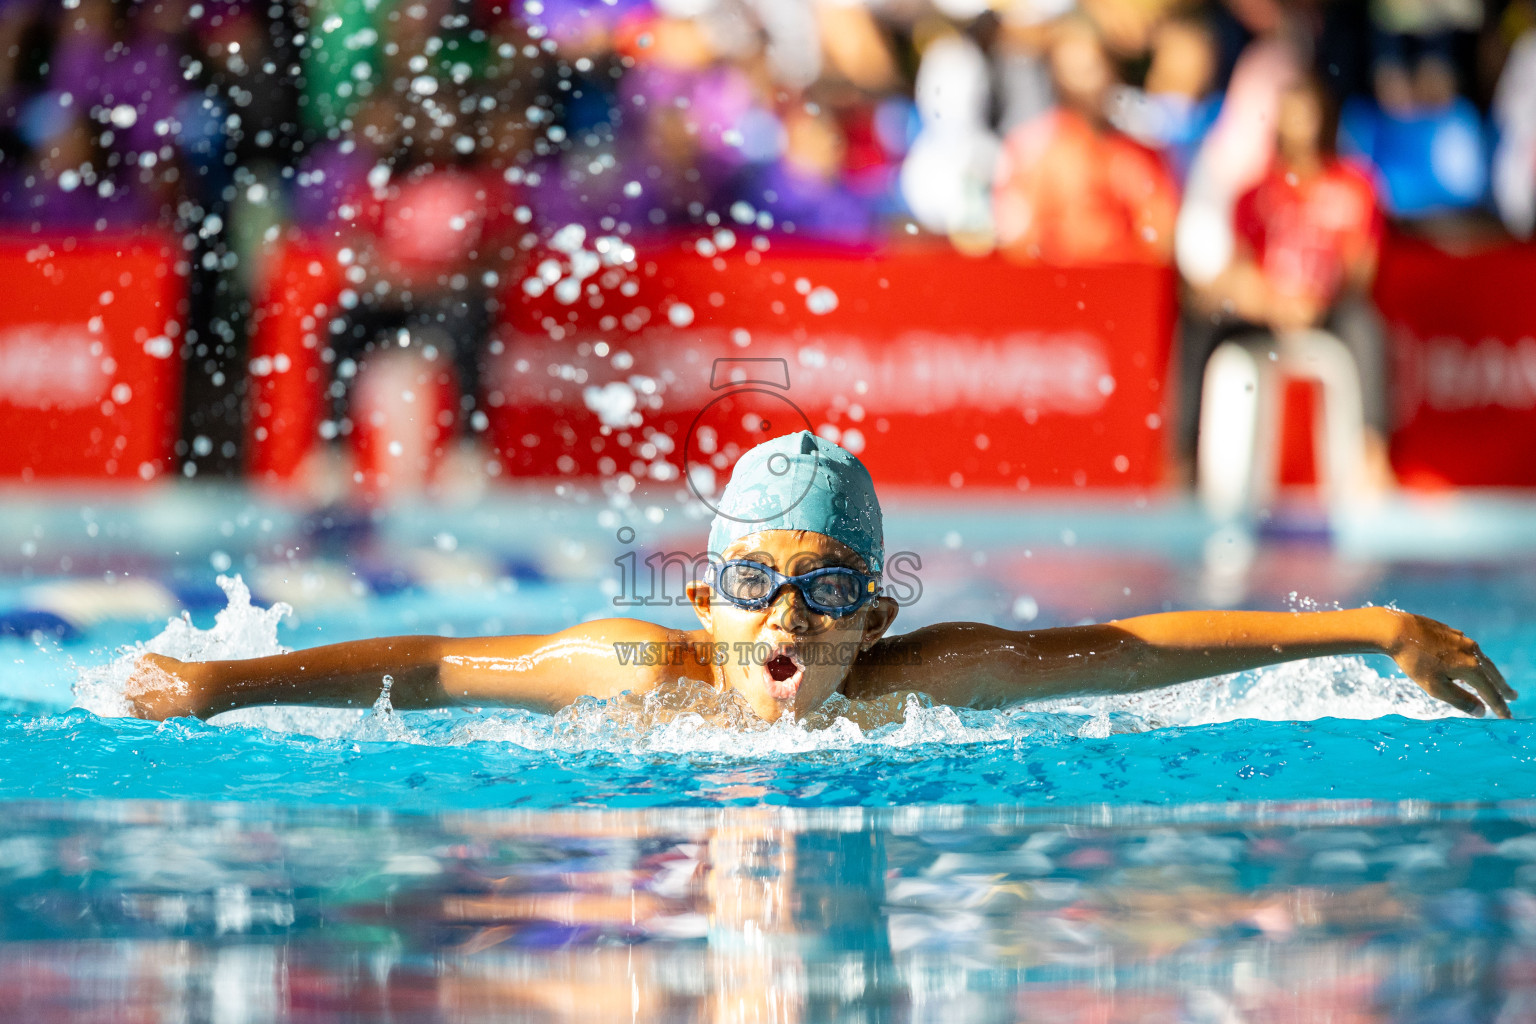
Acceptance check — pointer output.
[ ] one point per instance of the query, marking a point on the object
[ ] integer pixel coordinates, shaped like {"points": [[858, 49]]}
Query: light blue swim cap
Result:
{"points": [[801, 482]]}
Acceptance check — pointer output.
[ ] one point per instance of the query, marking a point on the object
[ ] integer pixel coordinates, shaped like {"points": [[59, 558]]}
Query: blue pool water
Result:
{"points": [[1312, 839], [1367, 733]]}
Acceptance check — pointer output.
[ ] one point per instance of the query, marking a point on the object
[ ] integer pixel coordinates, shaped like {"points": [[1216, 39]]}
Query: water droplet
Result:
{"points": [[821, 300]]}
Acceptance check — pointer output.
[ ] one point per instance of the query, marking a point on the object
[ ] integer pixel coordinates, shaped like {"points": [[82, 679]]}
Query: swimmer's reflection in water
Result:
{"points": [[778, 910], [748, 920], [794, 601]]}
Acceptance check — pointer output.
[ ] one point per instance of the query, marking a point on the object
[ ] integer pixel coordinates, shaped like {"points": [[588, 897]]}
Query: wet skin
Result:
{"points": [[812, 656]]}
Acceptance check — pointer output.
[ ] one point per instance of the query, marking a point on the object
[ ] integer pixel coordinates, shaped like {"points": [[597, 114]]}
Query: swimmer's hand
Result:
{"points": [[161, 687], [1444, 662]]}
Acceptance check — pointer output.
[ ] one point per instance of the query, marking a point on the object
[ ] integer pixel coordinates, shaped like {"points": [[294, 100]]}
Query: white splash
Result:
{"points": [[240, 630], [688, 717], [1299, 691]]}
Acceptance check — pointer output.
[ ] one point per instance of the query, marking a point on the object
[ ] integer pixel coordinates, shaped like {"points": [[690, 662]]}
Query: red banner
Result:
{"points": [[1463, 338], [289, 323], [90, 367], [937, 368]]}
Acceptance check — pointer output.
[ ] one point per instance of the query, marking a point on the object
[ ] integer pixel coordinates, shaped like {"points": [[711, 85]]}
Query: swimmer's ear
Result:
{"points": [[698, 595], [878, 619]]}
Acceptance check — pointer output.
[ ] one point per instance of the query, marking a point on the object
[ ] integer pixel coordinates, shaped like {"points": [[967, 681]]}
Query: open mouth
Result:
{"points": [[783, 672]]}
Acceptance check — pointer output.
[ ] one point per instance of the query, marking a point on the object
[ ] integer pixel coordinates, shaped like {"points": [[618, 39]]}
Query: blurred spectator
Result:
{"points": [[1308, 236], [1236, 154], [877, 132], [1126, 27], [1426, 145], [680, 158], [1514, 116], [947, 175], [343, 61], [86, 37], [340, 180], [1179, 103], [1414, 61], [1020, 66], [1071, 190], [1425, 140], [63, 183], [428, 234], [18, 19], [806, 188], [135, 74], [856, 50], [1309, 232]]}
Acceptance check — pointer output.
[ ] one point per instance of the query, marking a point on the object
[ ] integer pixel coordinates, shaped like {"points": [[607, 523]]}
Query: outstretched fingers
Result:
{"points": [[1441, 688], [1507, 691], [1486, 684]]}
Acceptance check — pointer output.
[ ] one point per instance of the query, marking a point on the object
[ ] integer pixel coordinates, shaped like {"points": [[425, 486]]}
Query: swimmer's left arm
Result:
{"points": [[986, 666]]}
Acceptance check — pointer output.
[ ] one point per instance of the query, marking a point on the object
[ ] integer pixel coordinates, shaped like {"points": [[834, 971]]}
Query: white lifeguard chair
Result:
{"points": [[1241, 410]]}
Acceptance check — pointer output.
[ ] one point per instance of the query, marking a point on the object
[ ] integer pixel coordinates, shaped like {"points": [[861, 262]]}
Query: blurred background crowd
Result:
{"points": [[1261, 147]]}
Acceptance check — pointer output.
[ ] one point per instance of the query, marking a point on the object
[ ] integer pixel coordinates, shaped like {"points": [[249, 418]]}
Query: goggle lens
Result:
{"points": [[746, 582], [833, 590]]}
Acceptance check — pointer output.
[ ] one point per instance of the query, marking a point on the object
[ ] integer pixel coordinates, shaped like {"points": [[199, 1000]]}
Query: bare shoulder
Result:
{"points": [[640, 654], [640, 644]]}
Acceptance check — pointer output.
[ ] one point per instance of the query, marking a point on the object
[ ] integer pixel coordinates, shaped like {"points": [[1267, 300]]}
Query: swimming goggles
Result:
{"points": [[835, 590]]}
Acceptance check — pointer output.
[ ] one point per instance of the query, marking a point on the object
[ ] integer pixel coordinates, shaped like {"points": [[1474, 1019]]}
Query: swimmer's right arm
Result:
{"points": [[538, 672]]}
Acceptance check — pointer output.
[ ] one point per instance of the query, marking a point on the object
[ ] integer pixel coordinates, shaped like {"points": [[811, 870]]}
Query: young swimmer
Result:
{"points": [[790, 613]]}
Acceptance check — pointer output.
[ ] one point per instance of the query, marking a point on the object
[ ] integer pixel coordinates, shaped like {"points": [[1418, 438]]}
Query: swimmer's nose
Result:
{"points": [[789, 612]]}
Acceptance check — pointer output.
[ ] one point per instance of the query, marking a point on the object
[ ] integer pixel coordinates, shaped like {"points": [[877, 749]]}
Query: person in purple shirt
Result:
{"points": [[332, 187], [130, 66], [804, 189], [86, 37], [64, 183]]}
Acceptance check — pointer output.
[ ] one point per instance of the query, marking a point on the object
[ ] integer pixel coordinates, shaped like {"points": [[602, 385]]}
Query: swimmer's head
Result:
{"points": [[802, 482], [794, 504]]}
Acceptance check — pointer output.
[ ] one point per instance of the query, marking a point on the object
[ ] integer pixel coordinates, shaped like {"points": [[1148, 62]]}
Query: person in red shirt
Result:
{"points": [[1307, 240], [1308, 234], [1070, 189]]}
